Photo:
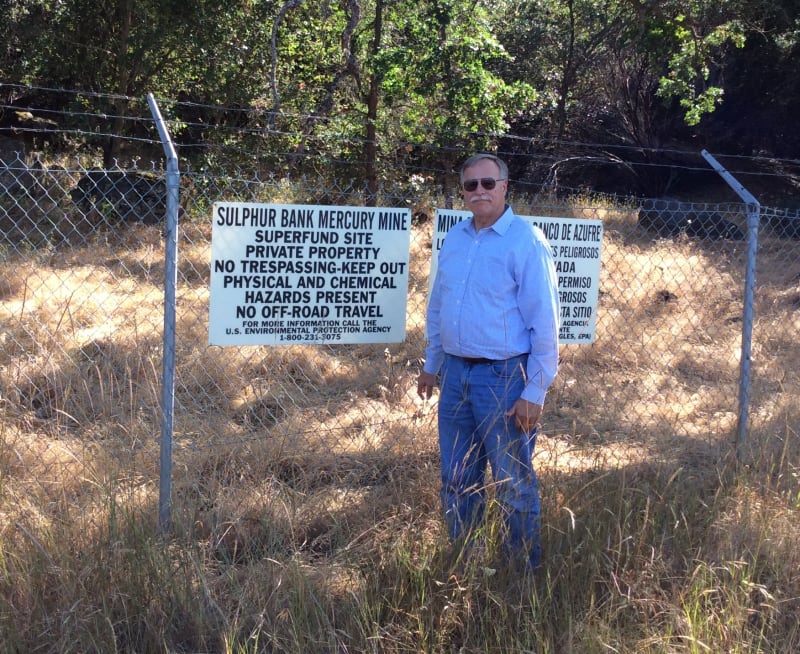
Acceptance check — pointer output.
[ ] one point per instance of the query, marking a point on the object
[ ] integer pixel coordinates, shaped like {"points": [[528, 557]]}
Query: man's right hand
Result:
{"points": [[425, 385]]}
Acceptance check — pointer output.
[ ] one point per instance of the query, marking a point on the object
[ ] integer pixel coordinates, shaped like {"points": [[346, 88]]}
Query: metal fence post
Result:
{"points": [[170, 284], [753, 219]]}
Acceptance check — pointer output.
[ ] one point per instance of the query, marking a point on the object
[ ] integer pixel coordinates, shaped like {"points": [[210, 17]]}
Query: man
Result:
{"points": [[492, 326]]}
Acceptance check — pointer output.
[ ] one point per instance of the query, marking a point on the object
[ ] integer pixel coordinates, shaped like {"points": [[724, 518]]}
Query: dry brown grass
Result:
{"points": [[307, 477]]}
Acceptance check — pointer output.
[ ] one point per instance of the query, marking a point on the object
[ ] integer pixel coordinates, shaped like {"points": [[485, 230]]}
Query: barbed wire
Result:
{"points": [[544, 150], [51, 89]]}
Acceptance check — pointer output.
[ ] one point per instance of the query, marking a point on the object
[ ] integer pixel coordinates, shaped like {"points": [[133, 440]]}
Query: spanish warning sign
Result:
{"points": [[286, 274], [576, 245]]}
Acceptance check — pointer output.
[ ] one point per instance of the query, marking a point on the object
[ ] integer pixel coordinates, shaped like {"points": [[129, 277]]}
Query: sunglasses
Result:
{"points": [[487, 183]]}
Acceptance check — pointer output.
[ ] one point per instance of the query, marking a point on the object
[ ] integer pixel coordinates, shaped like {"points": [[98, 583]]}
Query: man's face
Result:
{"points": [[487, 205]]}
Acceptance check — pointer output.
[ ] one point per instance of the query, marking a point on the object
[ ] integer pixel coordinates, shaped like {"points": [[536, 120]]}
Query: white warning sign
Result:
{"points": [[311, 274], [576, 245]]}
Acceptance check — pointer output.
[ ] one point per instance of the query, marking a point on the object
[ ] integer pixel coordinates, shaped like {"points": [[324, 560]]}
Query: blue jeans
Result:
{"points": [[474, 431]]}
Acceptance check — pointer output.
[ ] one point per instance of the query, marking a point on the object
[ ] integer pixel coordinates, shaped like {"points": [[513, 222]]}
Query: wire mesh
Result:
{"points": [[81, 304]]}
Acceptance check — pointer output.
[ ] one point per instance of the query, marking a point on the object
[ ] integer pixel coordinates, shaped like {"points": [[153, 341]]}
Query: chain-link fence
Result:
{"points": [[81, 310]]}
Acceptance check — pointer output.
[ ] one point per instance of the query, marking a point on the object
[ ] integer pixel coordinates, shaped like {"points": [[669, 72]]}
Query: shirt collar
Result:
{"points": [[502, 224]]}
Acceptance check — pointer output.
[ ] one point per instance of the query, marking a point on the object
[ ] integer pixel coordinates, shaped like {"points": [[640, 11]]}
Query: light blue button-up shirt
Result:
{"points": [[496, 296]]}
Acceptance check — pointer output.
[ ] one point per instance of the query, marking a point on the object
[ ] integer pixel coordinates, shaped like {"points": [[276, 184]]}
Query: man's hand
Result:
{"points": [[526, 414], [426, 382]]}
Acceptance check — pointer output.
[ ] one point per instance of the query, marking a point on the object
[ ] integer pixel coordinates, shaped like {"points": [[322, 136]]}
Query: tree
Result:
{"points": [[370, 84], [761, 83], [123, 49], [699, 34], [438, 68], [620, 73], [401, 72]]}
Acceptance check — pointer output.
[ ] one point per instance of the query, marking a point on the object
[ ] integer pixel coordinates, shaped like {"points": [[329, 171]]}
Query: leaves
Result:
{"points": [[447, 73], [698, 44]]}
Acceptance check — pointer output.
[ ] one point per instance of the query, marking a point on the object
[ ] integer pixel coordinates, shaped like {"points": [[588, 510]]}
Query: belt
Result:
{"points": [[474, 360], [482, 360]]}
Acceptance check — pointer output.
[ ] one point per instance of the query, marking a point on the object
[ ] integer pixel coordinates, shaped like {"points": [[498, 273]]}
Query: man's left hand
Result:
{"points": [[526, 414]]}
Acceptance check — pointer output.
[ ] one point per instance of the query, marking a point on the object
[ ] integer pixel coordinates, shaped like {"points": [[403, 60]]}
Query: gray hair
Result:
{"points": [[475, 158]]}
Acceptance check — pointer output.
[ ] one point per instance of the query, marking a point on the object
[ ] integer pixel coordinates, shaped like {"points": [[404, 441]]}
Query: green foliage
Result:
{"points": [[319, 78], [562, 49], [690, 65], [439, 68]]}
